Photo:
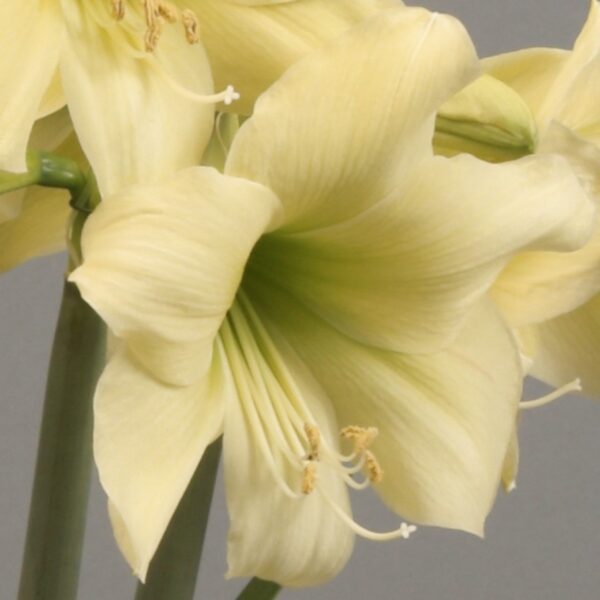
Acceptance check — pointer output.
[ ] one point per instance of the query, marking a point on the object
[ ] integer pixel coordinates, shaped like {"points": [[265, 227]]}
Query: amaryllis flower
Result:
{"points": [[322, 305]]}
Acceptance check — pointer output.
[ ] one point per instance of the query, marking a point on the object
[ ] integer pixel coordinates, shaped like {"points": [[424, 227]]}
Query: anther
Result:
{"points": [[167, 11], [362, 437], [118, 9], [374, 470], [309, 477], [153, 35], [190, 25], [314, 441]]}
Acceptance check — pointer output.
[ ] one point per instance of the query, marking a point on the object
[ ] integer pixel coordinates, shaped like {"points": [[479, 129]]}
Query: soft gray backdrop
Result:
{"points": [[542, 541]]}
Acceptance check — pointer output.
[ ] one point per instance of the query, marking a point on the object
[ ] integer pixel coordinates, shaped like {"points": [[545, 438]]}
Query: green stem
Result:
{"points": [[174, 568], [259, 589], [62, 477]]}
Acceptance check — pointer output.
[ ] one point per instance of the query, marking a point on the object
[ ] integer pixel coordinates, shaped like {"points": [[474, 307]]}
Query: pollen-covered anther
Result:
{"points": [[309, 477], [153, 35], [168, 12], [374, 470], [361, 437], [118, 9], [314, 441], [190, 25]]}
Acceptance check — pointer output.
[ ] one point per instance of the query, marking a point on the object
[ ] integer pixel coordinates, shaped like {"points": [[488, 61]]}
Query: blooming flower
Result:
{"points": [[553, 298], [138, 85], [322, 305]]}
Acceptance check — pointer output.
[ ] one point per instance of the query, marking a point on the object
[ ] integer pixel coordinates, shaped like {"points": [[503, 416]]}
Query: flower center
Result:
{"points": [[294, 448]]}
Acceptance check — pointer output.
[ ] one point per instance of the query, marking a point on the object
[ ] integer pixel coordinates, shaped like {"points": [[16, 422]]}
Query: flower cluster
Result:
{"points": [[344, 262]]}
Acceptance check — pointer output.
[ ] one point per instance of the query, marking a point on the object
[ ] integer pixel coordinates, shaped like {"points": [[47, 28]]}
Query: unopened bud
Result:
{"points": [[487, 119]]}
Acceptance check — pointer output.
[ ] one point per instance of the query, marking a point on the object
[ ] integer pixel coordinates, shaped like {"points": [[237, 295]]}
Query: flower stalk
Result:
{"points": [[259, 589], [174, 568], [61, 487]]}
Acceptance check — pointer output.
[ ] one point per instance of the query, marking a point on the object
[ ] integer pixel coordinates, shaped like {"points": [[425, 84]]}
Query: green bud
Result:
{"points": [[487, 119]]}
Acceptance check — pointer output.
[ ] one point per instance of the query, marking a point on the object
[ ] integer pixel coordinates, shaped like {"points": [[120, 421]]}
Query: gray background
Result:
{"points": [[542, 541]]}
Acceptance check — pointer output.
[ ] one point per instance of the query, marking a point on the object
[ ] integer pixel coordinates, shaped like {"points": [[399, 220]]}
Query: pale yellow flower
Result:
{"points": [[332, 281], [137, 82], [555, 296]]}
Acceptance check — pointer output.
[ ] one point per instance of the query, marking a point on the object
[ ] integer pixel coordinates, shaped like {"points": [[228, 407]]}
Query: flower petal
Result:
{"points": [[251, 43], [569, 347], [293, 541], [147, 128], [404, 275], [33, 30], [162, 264], [445, 420], [356, 131], [537, 286], [148, 441]]}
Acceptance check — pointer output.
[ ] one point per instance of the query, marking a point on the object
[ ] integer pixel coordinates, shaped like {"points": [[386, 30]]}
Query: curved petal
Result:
{"points": [[404, 275], [536, 286], [162, 264], [148, 441], [569, 347], [148, 129], [333, 160], [33, 30], [445, 420], [251, 43], [295, 541]]}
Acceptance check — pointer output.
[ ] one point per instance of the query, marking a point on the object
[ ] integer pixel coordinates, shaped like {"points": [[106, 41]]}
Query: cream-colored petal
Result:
{"points": [[33, 31], [251, 43], [510, 468], [568, 347], [133, 125], [536, 286], [39, 229], [357, 131], [404, 275], [162, 264], [573, 98], [445, 420], [54, 97], [531, 72], [293, 541], [148, 441]]}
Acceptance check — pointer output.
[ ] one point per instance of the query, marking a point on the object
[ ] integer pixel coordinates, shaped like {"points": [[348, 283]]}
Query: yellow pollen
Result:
{"points": [[374, 469], [153, 34], [309, 477], [362, 437], [190, 25], [118, 8], [314, 441], [168, 11]]}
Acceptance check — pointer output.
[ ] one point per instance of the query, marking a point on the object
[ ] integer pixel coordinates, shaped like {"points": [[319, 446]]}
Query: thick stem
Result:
{"points": [[174, 568], [259, 589], [60, 491]]}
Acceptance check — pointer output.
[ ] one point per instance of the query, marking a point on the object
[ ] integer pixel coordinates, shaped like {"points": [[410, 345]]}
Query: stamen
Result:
{"points": [[362, 437], [167, 11], [314, 441], [153, 34], [190, 25], [574, 386], [118, 9], [309, 477], [373, 468], [404, 531]]}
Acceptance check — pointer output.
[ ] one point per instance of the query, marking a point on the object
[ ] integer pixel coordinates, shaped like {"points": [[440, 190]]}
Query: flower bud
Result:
{"points": [[487, 119]]}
